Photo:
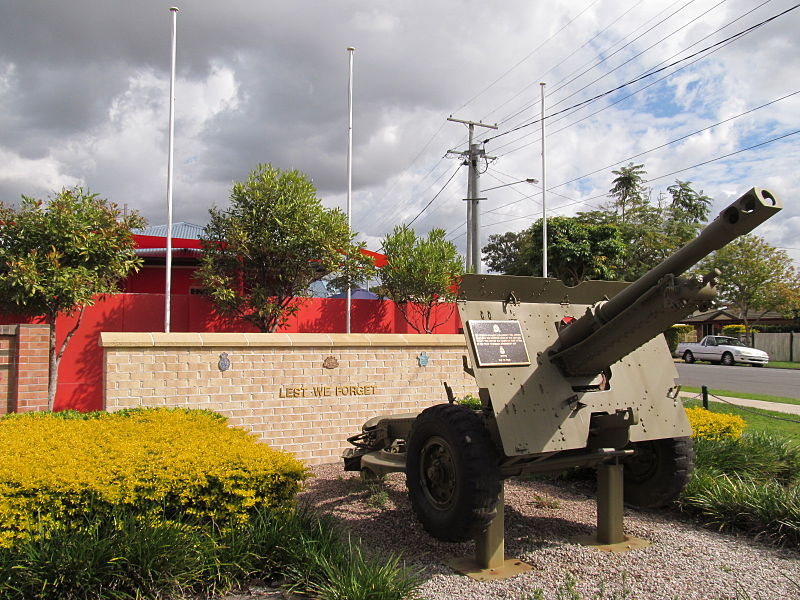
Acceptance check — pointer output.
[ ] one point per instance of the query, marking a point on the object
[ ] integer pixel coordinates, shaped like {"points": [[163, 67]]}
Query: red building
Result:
{"points": [[141, 308]]}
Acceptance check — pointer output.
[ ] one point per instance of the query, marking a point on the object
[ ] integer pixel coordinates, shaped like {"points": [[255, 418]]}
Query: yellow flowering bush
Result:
{"points": [[714, 426], [61, 470]]}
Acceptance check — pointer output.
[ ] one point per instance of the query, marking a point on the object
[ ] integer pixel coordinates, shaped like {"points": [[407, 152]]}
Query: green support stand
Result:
{"points": [[610, 535], [489, 561]]}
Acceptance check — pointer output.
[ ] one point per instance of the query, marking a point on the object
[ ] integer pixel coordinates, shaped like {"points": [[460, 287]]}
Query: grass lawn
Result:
{"points": [[764, 397], [783, 365], [776, 423]]}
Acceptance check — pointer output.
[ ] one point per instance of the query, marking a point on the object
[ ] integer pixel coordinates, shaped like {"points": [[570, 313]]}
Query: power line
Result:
{"points": [[647, 74], [700, 164], [561, 62], [659, 147], [637, 91], [531, 53], [437, 194], [558, 85]]}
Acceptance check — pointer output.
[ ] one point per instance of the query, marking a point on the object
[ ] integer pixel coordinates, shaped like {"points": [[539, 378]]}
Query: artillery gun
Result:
{"points": [[567, 376]]}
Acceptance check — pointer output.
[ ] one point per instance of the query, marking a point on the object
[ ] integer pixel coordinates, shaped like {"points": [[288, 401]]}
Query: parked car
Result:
{"points": [[721, 349]]}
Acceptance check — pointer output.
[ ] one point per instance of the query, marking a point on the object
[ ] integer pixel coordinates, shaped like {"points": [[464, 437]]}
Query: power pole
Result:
{"points": [[471, 157]]}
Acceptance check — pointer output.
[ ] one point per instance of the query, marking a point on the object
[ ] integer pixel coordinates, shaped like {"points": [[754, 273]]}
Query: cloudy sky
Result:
{"points": [[84, 101]]}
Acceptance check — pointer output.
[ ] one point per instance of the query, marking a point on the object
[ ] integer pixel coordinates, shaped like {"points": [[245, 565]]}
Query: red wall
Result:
{"points": [[80, 384]]}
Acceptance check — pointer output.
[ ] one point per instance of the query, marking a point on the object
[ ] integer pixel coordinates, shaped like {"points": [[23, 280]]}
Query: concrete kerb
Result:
{"points": [[793, 409]]}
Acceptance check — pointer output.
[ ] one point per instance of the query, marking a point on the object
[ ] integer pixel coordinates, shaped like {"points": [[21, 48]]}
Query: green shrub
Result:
{"points": [[676, 334], [127, 559], [470, 402], [750, 483], [64, 470], [764, 508]]}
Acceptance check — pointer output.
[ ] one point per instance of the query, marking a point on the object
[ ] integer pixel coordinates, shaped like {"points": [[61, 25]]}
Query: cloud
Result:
{"points": [[83, 98]]}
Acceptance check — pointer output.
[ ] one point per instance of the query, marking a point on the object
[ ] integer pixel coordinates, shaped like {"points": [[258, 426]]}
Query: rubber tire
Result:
{"points": [[656, 475], [727, 359], [688, 357], [452, 442]]}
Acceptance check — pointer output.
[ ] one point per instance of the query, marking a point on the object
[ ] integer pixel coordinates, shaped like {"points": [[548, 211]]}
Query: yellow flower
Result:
{"points": [[57, 471]]}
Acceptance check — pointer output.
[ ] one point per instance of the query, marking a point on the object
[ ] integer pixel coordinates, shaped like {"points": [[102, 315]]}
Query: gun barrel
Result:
{"points": [[740, 218]]}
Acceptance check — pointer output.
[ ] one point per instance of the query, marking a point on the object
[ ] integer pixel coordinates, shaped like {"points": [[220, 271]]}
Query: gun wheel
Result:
{"points": [[452, 472], [656, 475]]}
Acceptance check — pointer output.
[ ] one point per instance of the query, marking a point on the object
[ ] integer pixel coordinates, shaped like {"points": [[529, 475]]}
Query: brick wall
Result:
{"points": [[303, 393], [23, 367]]}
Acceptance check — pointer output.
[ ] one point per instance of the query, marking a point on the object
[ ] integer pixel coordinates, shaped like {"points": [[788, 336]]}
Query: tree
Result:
{"points": [[576, 250], [686, 214], [421, 273], [628, 190], [755, 277], [56, 257], [507, 253], [261, 255]]}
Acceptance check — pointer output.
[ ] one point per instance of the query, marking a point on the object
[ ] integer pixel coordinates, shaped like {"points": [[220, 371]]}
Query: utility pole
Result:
{"points": [[471, 157]]}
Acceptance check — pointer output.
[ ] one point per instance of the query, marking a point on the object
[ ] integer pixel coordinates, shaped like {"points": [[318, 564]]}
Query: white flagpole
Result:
{"points": [[168, 283], [544, 197], [350, 51]]}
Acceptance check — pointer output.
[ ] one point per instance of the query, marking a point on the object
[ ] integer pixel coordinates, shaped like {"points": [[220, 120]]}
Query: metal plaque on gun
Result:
{"points": [[498, 343]]}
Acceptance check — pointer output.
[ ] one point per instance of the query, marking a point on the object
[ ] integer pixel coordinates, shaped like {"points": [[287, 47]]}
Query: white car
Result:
{"points": [[721, 349]]}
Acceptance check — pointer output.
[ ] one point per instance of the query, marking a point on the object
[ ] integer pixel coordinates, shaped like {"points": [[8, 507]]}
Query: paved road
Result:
{"points": [[754, 380]]}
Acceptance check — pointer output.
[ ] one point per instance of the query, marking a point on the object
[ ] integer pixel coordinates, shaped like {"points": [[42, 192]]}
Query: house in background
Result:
{"points": [[711, 322], [151, 245]]}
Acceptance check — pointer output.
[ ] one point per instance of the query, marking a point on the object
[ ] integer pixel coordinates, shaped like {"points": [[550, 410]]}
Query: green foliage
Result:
{"points": [[628, 191], [470, 402], [60, 473], [755, 455], [507, 253], [58, 256], [755, 277], [262, 254], [623, 240], [765, 508], [576, 250], [127, 559], [677, 334], [750, 484], [688, 210], [421, 275]]}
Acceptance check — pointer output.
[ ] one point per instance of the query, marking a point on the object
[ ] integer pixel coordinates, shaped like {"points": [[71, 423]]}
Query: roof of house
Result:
{"points": [[730, 314], [183, 230]]}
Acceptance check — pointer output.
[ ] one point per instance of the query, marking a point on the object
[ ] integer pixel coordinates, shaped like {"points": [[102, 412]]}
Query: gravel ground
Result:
{"points": [[684, 562]]}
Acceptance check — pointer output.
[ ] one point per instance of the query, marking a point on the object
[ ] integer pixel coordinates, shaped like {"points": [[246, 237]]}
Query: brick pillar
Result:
{"points": [[31, 366], [8, 337]]}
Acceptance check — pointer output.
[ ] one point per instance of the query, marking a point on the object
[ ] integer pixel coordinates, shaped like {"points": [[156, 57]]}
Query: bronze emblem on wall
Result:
{"points": [[330, 362]]}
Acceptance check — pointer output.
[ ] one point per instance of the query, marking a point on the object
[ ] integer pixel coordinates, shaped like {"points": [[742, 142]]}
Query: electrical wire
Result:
{"points": [[554, 132], [562, 61], [558, 85], [647, 74], [659, 147], [437, 194], [694, 166], [531, 53]]}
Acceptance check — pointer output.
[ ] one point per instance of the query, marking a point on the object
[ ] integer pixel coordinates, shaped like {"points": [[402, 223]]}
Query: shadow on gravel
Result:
{"points": [[393, 527]]}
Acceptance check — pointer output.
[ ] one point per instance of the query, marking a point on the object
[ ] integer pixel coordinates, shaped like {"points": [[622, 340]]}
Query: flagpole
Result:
{"points": [[350, 51], [168, 282]]}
